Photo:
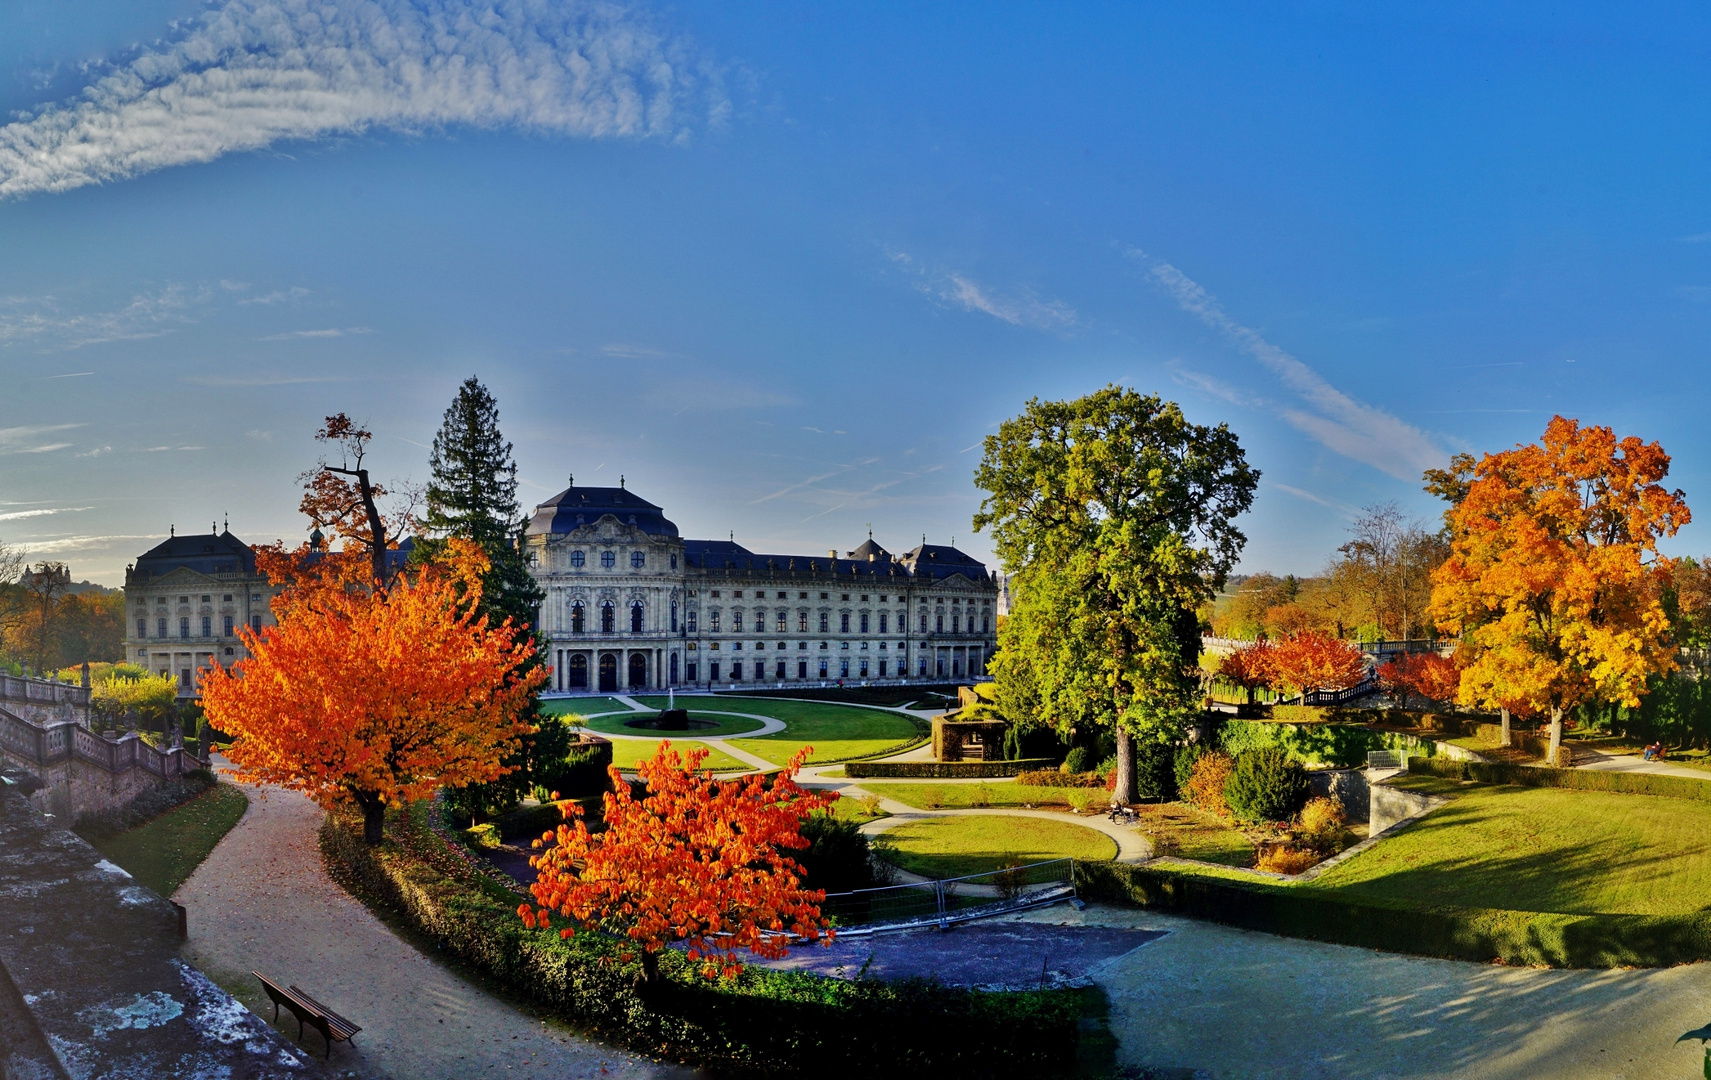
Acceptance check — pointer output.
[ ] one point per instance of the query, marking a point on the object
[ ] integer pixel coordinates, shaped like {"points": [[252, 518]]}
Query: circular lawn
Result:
{"points": [[976, 843]]}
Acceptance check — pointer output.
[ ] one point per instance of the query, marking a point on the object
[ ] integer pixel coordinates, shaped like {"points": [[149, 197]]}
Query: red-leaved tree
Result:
{"points": [[697, 860], [1314, 661], [1249, 667], [1430, 675]]}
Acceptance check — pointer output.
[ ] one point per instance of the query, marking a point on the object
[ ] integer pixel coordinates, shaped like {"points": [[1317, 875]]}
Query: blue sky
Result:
{"points": [[783, 267]]}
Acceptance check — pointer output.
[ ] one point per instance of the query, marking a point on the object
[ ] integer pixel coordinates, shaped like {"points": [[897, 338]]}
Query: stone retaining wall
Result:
{"points": [[1390, 805]]}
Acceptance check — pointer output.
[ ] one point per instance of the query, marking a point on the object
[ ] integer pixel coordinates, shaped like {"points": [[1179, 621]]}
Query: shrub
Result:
{"points": [[1321, 813], [581, 771], [1031, 742], [837, 858], [1266, 785], [1155, 770], [1283, 859], [760, 1023], [482, 836], [1206, 782], [944, 770], [1183, 767], [1079, 759], [1054, 778]]}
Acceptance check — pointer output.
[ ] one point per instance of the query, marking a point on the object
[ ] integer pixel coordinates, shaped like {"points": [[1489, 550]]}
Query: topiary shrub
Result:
{"points": [[1079, 760], [837, 858], [1266, 785]]}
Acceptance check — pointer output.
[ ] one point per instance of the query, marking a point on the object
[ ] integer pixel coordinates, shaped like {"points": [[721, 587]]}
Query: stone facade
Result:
{"points": [[186, 600], [632, 605]]}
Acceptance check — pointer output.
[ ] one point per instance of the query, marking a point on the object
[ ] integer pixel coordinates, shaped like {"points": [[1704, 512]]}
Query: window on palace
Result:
{"points": [[692, 623], [783, 621], [802, 622], [986, 624], [882, 622], [578, 617], [227, 626], [578, 559], [844, 622], [864, 622], [636, 617], [608, 617], [255, 624], [638, 559], [822, 667], [714, 620], [674, 618], [956, 622], [183, 628], [608, 559], [939, 623], [825, 622]]}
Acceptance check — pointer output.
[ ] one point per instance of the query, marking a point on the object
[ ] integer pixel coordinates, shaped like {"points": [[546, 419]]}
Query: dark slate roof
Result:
{"points": [[725, 555], [940, 561], [205, 553], [575, 507], [867, 548]]}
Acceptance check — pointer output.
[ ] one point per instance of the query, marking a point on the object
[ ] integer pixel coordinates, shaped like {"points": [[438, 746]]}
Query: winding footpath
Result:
{"points": [[262, 901]]}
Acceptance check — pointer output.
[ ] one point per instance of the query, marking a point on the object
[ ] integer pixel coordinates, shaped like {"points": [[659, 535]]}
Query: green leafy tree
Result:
{"points": [[1116, 517]]}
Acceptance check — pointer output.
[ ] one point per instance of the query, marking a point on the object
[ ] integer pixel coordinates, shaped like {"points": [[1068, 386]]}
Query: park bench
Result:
{"points": [[307, 1010]]}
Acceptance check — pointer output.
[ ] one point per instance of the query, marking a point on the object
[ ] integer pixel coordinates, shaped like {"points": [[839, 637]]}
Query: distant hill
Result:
{"points": [[90, 587]]}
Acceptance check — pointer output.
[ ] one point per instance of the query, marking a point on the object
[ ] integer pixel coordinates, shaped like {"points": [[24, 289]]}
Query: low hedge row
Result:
{"points": [[1059, 778], [1482, 935], [1672, 787], [1339, 745], [942, 770], [760, 1023]]}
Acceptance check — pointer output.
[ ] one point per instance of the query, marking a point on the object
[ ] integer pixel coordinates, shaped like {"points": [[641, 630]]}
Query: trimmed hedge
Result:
{"points": [[761, 1023], [1482, 935], [1669, 787], [1339, 745], [942, 770]]}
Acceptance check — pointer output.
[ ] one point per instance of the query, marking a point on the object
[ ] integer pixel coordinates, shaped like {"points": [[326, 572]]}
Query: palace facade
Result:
{"points": [[631, 605], [186, 599]]}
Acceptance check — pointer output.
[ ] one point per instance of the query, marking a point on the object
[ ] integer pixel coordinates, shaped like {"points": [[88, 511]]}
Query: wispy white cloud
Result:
{"points": [[960, 290], [70, 375], [261, 380], [251, 73], [636, 352], [1301, 493], [41, 320], [16, 515], [83, 543], [1336, 420], [278, 296], [332, 332], [28, 439]]}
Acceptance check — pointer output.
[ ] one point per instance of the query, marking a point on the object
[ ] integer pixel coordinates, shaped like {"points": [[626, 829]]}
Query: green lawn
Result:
{"points": [[1202, 836], [1542, 849], [627, 752], [727, 724], [164, 852], [849, 808], [590, 706], [964, 796], [957, 846], [836, 732]]}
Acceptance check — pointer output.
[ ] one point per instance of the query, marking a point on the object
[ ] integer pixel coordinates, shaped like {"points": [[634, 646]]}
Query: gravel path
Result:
{"points": [[1635, 763], [262, 901]]}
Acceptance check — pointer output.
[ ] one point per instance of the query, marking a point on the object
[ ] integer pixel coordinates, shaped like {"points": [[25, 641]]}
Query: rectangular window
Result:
{"points": [[255, 624], [715, 623], [783, 621], [689, 670], [923, 665], [864, 622], [825, 622], [882, 669], [184, 629], [142, 628], [844, 667], [884, 622], [692, 625], [801, 669], [779, 668], [864, 669], [736, 622], [207, 626], [844, 622], [184, 677], [938, 624], [923, 627], [713, 670], [160, 628], [227, 624], [736, 671], [822, 667]]}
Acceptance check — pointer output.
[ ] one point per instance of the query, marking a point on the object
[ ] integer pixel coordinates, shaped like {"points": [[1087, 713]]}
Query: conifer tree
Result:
{"points": [[473, 495]]}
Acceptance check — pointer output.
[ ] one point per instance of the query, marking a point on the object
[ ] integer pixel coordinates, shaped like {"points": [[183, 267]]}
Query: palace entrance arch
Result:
{"points": [[638, 669], [608, 673]]}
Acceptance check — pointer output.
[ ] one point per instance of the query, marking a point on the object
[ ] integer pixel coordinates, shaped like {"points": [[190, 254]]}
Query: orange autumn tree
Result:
{"points": [[1431, 675], [1314, 661], [377, 694], [1554, 580], [697, 860], [1249, 667]]}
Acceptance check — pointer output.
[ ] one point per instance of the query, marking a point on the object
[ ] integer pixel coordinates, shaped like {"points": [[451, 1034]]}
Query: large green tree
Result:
{"points": [[1116, 518], [473, 494]]}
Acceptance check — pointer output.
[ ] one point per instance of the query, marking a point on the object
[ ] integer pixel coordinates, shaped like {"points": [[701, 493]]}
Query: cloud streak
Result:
{"points": [[959, 290], [252, 73], [1349, 427], [38, 320]]}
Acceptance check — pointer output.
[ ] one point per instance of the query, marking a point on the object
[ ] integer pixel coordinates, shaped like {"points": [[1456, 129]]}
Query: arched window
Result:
{"points": [[578, 616], [608, 617], [608, 559], [578, 672], [674, 630], [578, 559], [636, 617], [674, 669], [638, 560]]}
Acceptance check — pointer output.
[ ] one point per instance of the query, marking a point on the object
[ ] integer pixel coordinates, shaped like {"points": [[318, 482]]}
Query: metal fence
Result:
{"points": [[948, 900]]}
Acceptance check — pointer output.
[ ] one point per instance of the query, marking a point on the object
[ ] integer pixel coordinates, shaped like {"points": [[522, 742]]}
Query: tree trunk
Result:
{"points": [[1125, 793], [373, 817], [1506, 740], [1556, 735], [650, 968]]}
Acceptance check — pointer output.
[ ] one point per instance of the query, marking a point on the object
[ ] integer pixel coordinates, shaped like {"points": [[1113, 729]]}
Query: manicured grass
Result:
{"points": [[836, 732], [1541, 849], [1203, 836], [627, 752], [965, 796], [164, 852], [589, 706], [849, 808], [727, 724], [956, 846]]}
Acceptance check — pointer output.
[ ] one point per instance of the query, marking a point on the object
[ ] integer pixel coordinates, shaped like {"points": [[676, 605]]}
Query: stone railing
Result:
{"points": [[47, 744], [42, 691]]}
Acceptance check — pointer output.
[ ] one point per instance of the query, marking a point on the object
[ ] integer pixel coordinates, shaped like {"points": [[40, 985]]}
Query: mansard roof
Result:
{"points": [[870, 549], [575, 507], [942, 561], [205, 553], [934, 562]]}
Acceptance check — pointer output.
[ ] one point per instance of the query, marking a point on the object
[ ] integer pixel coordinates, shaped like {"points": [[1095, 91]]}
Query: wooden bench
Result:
{"points": [[307, 1010]]}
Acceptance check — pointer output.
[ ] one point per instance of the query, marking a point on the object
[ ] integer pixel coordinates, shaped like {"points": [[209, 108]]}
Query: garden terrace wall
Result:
{"points": [[952, 737], [1481, 935], [760, 1023], [1673, 787], [941, 770], [1328, 744]]}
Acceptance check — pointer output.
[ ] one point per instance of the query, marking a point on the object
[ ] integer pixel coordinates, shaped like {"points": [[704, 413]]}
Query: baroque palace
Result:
{"points": [[632, 605]]}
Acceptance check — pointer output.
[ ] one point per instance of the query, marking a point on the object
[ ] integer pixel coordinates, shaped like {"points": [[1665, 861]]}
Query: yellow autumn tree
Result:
{"points": [[1554, 580]]}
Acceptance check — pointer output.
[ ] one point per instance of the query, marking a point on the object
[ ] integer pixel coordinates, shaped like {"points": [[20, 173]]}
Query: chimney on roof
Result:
{"points": [[833, 553]]}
